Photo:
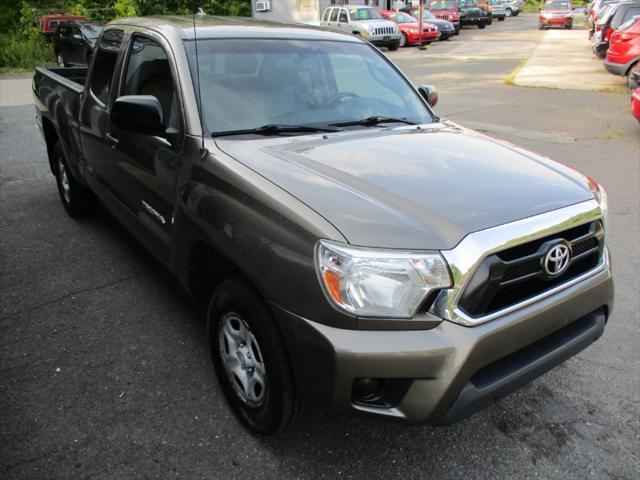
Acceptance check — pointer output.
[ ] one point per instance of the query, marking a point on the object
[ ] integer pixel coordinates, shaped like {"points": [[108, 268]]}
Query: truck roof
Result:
{"points": [[209, 26]]}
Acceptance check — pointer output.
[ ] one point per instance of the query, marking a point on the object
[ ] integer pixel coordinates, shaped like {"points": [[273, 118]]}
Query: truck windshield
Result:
{"points": [[249, 83]]}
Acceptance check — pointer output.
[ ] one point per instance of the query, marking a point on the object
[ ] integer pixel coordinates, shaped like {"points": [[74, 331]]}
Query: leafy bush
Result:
{"points": [[20, 51], [22, 46]]}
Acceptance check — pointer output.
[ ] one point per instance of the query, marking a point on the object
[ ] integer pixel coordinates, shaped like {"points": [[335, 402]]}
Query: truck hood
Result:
{"points": [[375, 23], [411, 188]]}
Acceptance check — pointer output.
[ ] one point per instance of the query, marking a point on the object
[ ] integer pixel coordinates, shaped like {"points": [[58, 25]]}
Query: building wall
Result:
{"points": [[305, 11], [308, 11]]}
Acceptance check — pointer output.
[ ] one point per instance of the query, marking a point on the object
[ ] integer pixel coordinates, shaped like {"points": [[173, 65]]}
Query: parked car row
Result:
{"points": [[615, 38], [399, 28]]}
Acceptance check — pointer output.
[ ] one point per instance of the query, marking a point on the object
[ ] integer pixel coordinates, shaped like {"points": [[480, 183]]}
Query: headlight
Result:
{"points": [[376, 282], [600, 194], [413, 30]]}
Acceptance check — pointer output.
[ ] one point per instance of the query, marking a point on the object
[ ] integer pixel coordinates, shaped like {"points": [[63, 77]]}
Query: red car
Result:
{"points": [[49, 23], [556, 14], [448, 10], [624, 48], [635, 103], [410, 28]]}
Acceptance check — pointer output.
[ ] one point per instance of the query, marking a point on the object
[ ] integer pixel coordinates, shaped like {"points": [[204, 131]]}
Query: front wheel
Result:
{"points": [[481, 25], [509, 12], [394, 46], [76, 199], [457, 31], [569, 26], [540, 27], [501, 19], [403, 41], [250, 360]]}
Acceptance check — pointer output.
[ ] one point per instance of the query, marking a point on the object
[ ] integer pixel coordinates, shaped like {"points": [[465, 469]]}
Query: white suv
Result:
{"points": [[365, 22]]}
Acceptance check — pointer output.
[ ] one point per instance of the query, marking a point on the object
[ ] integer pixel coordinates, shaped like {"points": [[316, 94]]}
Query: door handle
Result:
{"points": [[111, 140]]}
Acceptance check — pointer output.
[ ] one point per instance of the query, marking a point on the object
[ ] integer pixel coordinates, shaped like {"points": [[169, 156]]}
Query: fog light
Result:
{"points": [[367, 389]]}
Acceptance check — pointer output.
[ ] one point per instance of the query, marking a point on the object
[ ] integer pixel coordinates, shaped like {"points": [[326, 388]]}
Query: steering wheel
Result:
{"points": [[341, 97]]}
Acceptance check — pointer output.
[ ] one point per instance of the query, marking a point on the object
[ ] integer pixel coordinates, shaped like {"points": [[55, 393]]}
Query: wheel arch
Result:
{"points": [[631, 65], [50, 138]]}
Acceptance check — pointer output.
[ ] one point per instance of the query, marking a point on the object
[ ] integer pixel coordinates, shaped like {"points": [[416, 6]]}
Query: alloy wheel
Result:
{"points": [[64, 182]]}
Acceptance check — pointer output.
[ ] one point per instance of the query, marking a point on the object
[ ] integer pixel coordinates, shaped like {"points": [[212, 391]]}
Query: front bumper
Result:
{"points": [[424, 37], [451, 370], [384, 40], [555, 22]]}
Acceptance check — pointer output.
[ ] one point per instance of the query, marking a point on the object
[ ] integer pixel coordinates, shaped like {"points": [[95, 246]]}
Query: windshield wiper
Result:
{"points": [[275, 129], [371, 121]]}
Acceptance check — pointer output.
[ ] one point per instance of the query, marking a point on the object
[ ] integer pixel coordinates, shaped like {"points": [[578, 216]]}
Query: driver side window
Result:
{"points": [[149, 73]]}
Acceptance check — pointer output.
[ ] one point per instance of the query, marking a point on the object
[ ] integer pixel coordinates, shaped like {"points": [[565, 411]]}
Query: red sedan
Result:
{"points": [[410, 28], [556, 14], [624, 48], [635, 103]]}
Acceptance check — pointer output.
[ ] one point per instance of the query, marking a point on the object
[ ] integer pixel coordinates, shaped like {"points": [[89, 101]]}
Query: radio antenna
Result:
{"points": [[200, 13]]}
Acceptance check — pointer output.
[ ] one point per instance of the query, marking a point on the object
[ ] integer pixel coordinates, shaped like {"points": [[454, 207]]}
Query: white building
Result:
{"points": [[307, 11]]}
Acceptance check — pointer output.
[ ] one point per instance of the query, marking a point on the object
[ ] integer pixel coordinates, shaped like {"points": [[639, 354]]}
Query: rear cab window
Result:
{"points": [[104, 65]]}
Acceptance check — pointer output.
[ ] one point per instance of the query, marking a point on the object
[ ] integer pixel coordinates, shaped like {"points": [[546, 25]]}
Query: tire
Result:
{"points": [[394, 46], [60, 60], [481, 25], [509, 12], [540, 27], [515, 14], [569, 26], [403, 41], [77, 200], [274, 407], [501, 19], [457, 31]]}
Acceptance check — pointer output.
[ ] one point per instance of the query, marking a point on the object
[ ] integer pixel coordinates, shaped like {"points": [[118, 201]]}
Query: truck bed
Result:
{"points": [[73, 78]]}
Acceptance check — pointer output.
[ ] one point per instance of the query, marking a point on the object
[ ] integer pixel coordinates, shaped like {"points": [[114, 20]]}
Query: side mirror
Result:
{"points": [[429, 93], [138, 114]]}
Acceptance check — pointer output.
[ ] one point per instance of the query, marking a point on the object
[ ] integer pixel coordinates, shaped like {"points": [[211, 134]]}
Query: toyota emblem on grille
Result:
{"points": [[557, 260]]}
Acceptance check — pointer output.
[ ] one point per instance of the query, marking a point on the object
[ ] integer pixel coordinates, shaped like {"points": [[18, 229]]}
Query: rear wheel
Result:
{"points": [[76, 199], [569, 26], [457, 31], [250, 360], [540, 27], [60, 60], [501, 19]]}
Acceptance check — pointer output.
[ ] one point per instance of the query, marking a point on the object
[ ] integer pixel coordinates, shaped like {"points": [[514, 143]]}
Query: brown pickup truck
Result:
{"points": [[357, 253]]}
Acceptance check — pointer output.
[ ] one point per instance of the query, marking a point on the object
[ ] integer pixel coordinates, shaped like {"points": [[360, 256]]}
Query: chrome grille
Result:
{"points": [[513, 275], [383, 30]]}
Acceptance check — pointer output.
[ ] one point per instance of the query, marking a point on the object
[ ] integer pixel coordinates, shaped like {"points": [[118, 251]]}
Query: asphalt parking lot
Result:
{"points": [[105, 369]]}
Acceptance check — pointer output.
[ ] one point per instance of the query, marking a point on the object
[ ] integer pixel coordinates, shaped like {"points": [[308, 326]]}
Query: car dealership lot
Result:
{"points": [[106, 370]]}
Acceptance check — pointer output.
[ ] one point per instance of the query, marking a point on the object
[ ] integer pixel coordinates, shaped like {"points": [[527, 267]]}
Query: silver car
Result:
{"points": [[498, 9], [364, 22]]}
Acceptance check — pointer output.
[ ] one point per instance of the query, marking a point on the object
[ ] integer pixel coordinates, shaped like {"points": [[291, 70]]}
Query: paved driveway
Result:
{"points": [[105, 371]]}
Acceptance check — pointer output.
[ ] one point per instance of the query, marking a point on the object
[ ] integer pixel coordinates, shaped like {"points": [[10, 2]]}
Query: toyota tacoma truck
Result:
{"points": [[356, 252]]}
